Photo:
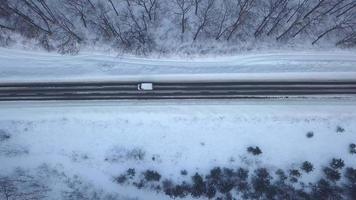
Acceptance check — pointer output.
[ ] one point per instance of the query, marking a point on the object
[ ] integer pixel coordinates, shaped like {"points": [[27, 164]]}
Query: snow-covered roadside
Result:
{"points": [[93, 140], [21, 65]]}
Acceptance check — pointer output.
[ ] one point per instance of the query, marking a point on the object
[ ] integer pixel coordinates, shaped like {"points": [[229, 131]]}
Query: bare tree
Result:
{"points": [[79, 8], [183, 8], [26, 18], [203, 18], [274, 6], [244, 7], [196, 6], [277, 21], [149, 7], [114, 8]]}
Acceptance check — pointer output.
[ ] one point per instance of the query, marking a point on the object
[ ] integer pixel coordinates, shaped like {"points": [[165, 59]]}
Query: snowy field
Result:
{"points": [[29, 65], [96, 141]]}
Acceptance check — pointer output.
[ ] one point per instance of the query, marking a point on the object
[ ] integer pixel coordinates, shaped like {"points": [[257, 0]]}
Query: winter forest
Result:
{"points": [[167, 26]]}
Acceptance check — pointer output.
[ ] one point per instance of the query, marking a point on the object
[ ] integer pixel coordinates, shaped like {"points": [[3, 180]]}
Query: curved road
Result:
{"points": [[164, 90]]}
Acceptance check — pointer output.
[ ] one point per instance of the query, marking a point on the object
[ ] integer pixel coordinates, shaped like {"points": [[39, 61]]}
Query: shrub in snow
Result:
{"points": [[281, 175], [121, 179], [181, 191], [325, 190], [136, 154], [227, 181], [228, 196], [210, 190], [139, 184], [120, 154], [294, 174], [131, 173], [350, 186], [337, 163], [254, 150], [4, 135], [242, 174], [332, 174], [307, 167], [242, 182], [184, 172], [352, 148], [261, 181], [215, 175], [310, 134], [339, 129], [350, 175], [198, 188], [178, 191], [152, 175]]}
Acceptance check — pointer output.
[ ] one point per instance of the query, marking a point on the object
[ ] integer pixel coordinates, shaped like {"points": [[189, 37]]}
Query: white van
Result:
{"points": [[145, 86]]}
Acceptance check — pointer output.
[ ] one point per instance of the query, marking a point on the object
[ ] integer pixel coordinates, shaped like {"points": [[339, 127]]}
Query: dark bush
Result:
{"points": [[254, 150], [4, 135], [152, 175], [337, 163], [339, 129], [350, 175], [121, 179], [184, 172], [310, 134], [226, 185], [295, 173], [242, 174], [332, 174], [261, 181], [227, 172], [242, 182], [167, 187], [352, 148], [281, 175], [215, 175], [210, 191], [198, 187], [180, 191], [131, 172], [307, 167], [350, 186], [140, 184], [324, 190], [228, 196], [223, 180]]}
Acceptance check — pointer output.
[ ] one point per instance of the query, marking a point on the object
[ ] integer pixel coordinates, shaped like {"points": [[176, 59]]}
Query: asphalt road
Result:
{"points": [[162, 90]]}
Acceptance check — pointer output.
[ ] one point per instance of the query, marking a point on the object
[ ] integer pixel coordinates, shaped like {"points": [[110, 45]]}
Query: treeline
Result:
{"points": [[143, 26]]}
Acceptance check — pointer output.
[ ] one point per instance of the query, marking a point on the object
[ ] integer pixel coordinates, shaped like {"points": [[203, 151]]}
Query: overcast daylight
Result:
{"points": [[177, 99]]}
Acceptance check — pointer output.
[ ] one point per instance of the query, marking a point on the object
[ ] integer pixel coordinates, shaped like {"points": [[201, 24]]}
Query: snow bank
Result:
{"points": [[21, 65]]}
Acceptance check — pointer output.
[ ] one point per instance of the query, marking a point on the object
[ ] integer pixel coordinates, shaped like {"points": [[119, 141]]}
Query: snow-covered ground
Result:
{"points": [[98, 141], [27, 65]]}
